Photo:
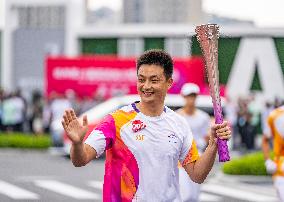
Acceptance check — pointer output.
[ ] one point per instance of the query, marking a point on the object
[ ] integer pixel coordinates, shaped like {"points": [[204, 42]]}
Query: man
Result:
{"points": [[199, 123], [144, 141], [275, 131]]}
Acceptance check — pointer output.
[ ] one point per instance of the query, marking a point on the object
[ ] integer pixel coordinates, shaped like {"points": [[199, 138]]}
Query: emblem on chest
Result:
{"points": [[137, 125]]}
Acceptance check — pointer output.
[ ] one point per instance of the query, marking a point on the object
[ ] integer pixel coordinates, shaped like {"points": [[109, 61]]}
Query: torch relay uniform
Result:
{"points": [[275, 130], [142, 154]]}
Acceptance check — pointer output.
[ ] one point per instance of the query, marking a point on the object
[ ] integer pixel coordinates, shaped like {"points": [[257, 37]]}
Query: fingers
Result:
{"points": [[73, 115], [223, 133], [224, 136], [65, 119], [64, 125], [85, 121], [222, 125], [222, 130], [69, 115]]}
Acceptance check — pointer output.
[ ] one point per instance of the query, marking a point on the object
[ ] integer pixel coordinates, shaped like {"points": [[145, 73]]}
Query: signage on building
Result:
{"points": [[109, 75]]}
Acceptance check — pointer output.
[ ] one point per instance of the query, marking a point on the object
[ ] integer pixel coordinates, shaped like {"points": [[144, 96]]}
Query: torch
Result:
{"points": [[207, 36]]}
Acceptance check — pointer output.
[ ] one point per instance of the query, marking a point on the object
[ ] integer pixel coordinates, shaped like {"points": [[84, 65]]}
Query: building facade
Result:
{"points": [[163, 11], [33, 30], [249, 57]]}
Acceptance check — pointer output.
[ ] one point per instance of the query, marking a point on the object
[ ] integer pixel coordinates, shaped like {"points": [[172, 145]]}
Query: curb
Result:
{"points": [[250, 179]]}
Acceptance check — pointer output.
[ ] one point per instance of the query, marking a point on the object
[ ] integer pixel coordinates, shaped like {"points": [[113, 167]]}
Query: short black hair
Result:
{"points": [[157, 57]]}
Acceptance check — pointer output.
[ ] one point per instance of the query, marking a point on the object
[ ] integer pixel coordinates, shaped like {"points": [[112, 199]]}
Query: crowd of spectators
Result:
{"points": [[36, 114], [248, 119]]}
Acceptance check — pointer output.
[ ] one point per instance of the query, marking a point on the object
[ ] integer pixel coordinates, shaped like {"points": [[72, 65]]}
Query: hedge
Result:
{"points": [[28, 141], [250, 164]]}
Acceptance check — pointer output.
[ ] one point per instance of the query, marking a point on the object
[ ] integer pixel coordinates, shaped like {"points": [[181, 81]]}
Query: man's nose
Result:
{"points": [[147, 85]]}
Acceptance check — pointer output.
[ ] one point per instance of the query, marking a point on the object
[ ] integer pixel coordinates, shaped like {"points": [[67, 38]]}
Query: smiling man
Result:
{"points": [[144, 141]]}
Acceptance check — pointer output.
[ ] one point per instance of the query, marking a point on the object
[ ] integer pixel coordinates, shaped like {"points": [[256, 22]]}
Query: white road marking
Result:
{"points": [[204, 197], [15, 192], [236, 193], [96, 184], [66, 189]]}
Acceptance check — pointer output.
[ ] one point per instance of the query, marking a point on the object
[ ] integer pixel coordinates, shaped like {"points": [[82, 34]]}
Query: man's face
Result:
{"points": [[190, 100], [152, 85]]}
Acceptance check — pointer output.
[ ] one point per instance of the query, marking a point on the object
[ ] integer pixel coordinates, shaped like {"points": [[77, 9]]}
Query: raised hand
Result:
{"points": [[74, 129]]}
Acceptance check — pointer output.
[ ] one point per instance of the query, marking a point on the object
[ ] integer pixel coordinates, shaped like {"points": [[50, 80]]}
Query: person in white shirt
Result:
{"points": [[57, 109], [144, 141], [199, 123], [14, 108]]}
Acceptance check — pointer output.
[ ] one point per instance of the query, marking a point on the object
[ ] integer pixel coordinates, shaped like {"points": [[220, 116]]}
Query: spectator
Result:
{"points": [[199, 123], [268, 107], [231, 116], [14, 112], [37, 108], [57, 108]]}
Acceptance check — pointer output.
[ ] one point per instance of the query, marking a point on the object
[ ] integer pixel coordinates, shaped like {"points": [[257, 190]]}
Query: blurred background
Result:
{"points": [[58, 54]]}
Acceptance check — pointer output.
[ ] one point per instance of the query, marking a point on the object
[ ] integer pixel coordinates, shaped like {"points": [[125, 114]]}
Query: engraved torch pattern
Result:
{"points": [[207, 36]]}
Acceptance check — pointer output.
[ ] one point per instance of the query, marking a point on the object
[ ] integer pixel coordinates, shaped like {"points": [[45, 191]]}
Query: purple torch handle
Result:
{"points": [[223, 150]]}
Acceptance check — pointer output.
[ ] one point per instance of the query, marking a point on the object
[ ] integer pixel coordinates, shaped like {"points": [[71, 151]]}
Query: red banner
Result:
{"points": [[110, 75]]}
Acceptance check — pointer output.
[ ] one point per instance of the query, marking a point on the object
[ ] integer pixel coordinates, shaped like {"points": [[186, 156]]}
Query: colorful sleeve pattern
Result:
{"points": [[103, 136], [121, 169], [192, 154]]}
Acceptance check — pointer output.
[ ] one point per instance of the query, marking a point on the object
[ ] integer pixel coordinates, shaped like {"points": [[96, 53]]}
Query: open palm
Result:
{"points": [[74, 129]]}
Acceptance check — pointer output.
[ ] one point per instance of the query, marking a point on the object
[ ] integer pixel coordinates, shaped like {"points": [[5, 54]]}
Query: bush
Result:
{"points": [[28, 141], [251, 164]]}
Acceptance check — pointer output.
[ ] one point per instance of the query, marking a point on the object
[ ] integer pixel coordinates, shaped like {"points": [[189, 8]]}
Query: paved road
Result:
{"points": [[41, 176]]}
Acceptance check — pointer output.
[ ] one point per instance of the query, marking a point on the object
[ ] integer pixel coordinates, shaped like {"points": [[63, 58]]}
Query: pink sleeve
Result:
{"points": [[103, 136]]}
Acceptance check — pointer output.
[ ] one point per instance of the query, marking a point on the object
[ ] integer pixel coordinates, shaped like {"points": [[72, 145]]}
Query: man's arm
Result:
{"points": [[199, 169], [266, 137], [81, 154], [265, 146], [270, 165]]}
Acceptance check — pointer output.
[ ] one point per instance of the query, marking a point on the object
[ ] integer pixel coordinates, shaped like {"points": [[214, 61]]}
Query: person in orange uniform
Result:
{"points": [[275, 131]]}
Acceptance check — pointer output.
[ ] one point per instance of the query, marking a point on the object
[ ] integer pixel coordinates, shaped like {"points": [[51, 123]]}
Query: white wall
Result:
{"points": [[2, 6]]}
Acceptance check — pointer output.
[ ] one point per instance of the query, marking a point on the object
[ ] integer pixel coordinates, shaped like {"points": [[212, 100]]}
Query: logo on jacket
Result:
{"points": [[173, 138], [137, 125]]}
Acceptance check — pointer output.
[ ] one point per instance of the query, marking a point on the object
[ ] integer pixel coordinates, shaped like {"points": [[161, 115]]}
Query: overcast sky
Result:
{"points": [[262, 12], [265, 13]]}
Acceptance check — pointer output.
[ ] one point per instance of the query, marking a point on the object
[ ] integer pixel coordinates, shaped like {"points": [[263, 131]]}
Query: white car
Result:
{"points": [[97, 113]]}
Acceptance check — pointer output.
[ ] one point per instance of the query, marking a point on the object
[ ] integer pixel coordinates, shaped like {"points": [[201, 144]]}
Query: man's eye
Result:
{"points": [[155, 81], [141, 80]]}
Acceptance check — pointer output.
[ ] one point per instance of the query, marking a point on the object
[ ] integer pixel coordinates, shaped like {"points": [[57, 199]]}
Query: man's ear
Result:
{"points": [[170, 83]]}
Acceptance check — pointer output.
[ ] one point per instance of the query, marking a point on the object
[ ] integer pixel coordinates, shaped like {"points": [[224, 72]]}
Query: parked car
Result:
{"points": [[97, 113]]}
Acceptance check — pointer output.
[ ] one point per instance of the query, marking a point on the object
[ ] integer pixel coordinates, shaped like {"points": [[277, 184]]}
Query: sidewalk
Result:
{"points": [[243, 184]]}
